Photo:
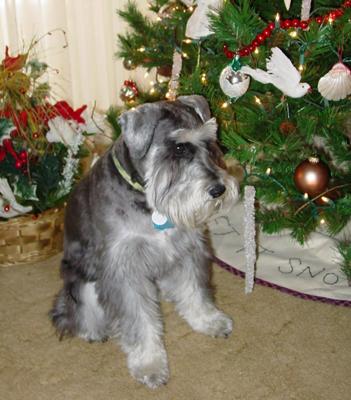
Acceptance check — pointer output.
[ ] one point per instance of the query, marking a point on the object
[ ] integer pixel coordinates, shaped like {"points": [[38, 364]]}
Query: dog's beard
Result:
{"points": [[189, 204]]}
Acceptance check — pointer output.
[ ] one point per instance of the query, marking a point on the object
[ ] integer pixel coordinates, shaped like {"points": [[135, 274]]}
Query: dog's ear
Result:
{"points": [[138, 128], [199, 104]]}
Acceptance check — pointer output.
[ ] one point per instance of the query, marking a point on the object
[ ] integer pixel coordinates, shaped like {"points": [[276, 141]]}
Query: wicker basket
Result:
{"points": [[27, 238]]}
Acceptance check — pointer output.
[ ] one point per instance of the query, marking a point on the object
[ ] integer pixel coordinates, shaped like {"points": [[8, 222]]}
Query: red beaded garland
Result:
{"points": [[284, 24], [267, 33]]}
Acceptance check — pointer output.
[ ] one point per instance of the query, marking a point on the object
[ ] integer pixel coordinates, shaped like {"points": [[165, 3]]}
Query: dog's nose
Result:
{"points": [[217, 190]]}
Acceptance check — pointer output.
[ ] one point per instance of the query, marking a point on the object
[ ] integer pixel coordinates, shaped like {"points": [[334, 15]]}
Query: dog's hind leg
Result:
{"points": [[131, 294], [77, 311], [187, 284]]}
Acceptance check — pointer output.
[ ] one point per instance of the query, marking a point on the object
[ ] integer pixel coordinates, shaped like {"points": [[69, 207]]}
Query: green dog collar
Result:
{"points": [[125, 174]]}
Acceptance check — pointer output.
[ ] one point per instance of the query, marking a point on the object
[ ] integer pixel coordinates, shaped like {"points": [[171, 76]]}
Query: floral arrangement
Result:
{"points": [[41, 141]]}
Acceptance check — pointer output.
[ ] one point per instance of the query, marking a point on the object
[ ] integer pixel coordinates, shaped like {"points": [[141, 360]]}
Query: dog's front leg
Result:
{"points": [[188, 286], [134, 300]]}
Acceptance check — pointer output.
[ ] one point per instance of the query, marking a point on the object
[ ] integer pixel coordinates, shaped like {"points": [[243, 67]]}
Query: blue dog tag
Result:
{"points": [[161, 222]]}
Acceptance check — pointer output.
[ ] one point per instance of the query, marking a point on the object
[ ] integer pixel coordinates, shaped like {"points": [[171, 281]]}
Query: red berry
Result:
{"points": [[295, 23], [18, 164], [319, 20], [271, 26], [255, 43], [7, 207], [23, 155]]}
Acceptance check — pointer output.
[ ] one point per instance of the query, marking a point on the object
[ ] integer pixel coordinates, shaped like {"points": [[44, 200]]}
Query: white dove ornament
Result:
{"points": [[198, 24], [281, 73]]}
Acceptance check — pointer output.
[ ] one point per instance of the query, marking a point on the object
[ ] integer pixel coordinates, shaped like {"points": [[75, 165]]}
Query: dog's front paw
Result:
{"points": [[216, 324], [153, 373]]}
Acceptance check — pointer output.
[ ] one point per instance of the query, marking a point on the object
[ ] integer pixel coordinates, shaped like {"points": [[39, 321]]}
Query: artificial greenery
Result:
{"points": [[41, 139]]}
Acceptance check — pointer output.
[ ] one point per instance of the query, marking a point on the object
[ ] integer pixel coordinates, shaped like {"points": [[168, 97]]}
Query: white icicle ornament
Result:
{"points": [[336, 84], [233, 83]]}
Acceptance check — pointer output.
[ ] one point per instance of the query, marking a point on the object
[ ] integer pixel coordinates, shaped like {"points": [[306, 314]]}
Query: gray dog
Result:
{"points": [[134, 230]]}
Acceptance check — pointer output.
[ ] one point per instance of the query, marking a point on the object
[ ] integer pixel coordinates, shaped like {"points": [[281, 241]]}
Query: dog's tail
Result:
{"points": [[64, 312]]}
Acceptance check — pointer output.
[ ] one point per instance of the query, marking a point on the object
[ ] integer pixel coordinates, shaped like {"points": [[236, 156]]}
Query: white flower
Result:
{"points": [[93, 123], [66, 132], [7, 197]]}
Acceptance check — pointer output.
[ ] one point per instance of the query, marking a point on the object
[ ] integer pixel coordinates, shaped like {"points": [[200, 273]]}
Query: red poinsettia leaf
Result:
{"points": [[77, 114], [66, 111], [2, 153], [13, 63], [9, 148], [19, 119]]}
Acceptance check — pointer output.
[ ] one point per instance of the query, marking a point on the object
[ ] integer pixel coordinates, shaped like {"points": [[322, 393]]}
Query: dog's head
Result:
{"points": [[174, 146]]}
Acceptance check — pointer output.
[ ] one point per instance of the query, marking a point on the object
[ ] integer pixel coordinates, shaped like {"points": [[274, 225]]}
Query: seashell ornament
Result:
{"points": [[336, 84], [233, 83]]}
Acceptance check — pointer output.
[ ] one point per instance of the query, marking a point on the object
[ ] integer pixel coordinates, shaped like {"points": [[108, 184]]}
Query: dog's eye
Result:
{"points": [[180, 149], [183, 150]]}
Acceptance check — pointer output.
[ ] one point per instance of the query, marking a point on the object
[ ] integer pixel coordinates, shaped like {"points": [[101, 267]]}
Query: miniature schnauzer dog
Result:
{"points": [[135, 232]]}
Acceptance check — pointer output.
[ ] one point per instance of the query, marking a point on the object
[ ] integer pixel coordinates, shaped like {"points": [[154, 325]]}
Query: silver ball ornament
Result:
{"points": [[233, 83]]}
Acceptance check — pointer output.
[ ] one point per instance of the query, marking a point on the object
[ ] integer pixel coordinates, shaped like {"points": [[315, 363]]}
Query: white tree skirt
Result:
{"points": [[310, 271]]}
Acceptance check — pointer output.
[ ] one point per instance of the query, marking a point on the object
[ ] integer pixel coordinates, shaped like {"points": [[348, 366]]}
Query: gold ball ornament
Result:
{"points": [[129, 91], [312, 176], [128, 64]]}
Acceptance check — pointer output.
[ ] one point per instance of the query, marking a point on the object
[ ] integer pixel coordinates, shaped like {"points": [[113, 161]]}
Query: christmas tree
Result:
{"points": [[278, 81]]}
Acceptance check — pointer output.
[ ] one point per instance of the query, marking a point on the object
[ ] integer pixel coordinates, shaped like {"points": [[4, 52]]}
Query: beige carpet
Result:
{"points": [[282, 348]]}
